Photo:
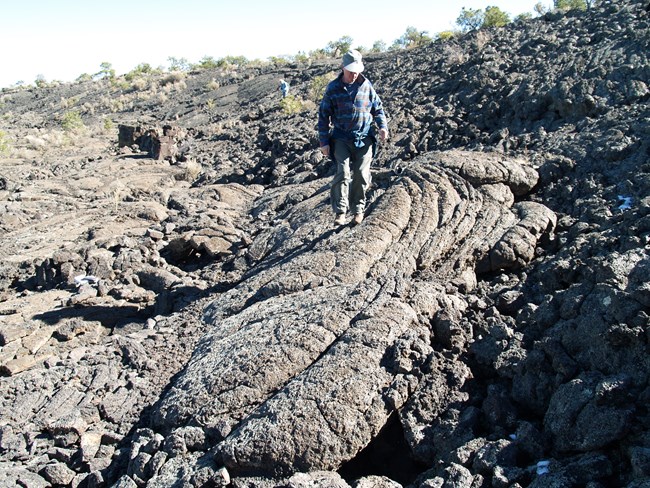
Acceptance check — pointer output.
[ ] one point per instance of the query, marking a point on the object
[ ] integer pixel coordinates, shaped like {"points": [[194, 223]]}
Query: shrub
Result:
{"points": [[139, 84], [88, 108], [495, 17], [106, 71], [141, 71], [42, 141], [319, 54], [412, 38], [190, 172], [523, 17], [121, 84], [317, 87], [291, 105], [108, 125], [278, 61], [208, 62], [337, 48], [67, 103], [570, 4], [40, 81], [454, 54], [482, 39], [446, 35], [178, 64], [4, 143], [378, 47], [212, 85], [72, 122], [230, 62], [470, 19], [173, 78]]}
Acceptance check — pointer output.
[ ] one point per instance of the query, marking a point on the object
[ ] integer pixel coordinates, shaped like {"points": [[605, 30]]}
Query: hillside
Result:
{"points": [[198, 321]]}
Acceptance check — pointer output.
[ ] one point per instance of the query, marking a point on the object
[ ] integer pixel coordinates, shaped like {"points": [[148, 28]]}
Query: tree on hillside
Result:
{"points": [[106, 71], [178, 64], [541, 9], [232, 62], [412, 38], [40, 81], [378, 47], [523, 17], [470, 19], [445, 35], [337, 48], [473, 19], [570, 4], [208, 62], [495, 17], [140, 71]]}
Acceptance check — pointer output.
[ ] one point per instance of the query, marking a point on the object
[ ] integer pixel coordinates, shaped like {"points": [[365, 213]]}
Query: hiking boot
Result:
{"points": [[340, 219], [358, 218]]}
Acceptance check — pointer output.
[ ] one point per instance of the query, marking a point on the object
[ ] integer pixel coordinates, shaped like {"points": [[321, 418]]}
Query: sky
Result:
{"points": [[63, 39]]}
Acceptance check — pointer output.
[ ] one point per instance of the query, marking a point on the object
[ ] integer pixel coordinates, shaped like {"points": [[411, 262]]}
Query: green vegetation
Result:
{"points": [[140, 71], [564, 6], [40, 81], [378, 47], [141, 78], [474, 19], [340, 47], [523, 17], [173, 78], [212, 85], [495, 17], [178, 64], [279, 61], [301, 57], [72, 122], [108, 125], [106, 71], [446, 35], [470, 19], [67, 103], [317, 87], [291, 105], [208, 62], [570, 4], [232, 62], [412, 38], [4, 143]]}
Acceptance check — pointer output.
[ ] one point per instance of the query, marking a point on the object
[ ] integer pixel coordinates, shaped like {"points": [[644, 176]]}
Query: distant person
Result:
{"points": [[284, 88], [346, 132]]}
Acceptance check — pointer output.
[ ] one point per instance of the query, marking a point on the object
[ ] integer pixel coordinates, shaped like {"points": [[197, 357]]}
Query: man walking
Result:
{"points": [[346, 132]]}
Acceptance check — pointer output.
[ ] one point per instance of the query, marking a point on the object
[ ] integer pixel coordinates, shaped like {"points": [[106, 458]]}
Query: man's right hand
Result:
{"points": [[325, 150]]}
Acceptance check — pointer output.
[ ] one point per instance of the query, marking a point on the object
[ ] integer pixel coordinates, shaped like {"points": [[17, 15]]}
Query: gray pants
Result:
{"points": [[352, 179]]}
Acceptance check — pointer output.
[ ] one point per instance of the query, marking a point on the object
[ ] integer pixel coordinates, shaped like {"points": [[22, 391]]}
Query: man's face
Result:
{"points": [[349, 76]]}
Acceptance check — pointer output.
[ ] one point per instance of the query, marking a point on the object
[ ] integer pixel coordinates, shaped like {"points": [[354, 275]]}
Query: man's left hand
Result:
{"points": [[383, 134]]}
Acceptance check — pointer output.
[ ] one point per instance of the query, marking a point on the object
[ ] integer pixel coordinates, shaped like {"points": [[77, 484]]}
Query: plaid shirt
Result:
{"points": [[350, 110]]}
